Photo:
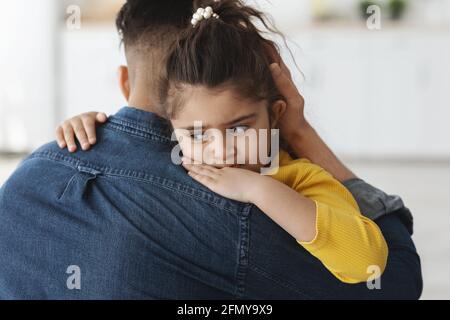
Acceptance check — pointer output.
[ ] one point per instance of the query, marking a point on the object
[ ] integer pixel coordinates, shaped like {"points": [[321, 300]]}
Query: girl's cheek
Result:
{"points": [[247, 148], [191, 150], [259, 149], [197, 153], [185, 147], [243, 150]]}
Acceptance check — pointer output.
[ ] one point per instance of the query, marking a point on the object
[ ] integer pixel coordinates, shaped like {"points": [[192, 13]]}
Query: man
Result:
{"points": [[123, 222]]}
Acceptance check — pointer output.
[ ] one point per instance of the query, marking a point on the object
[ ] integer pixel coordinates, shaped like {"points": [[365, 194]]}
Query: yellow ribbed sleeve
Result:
{"points": [[347, 243]]}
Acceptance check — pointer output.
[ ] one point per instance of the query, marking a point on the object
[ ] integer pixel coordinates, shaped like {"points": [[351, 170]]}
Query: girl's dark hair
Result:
{"points": [[229, 51]]}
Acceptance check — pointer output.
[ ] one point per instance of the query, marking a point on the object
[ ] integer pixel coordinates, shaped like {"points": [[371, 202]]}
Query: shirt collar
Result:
{"points": [[143, 120]]}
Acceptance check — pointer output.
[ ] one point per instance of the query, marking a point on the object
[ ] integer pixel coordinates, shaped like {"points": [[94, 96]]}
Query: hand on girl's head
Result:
{"points": [[294, 116], [81, 128]]}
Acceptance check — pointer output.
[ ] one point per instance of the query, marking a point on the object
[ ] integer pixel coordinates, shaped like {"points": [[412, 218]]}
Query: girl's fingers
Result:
{"points": [[60, 137], [89, 126], [209, 169], [190, 161], [82, 127], [204, 180], [202, 170], [69, 137], [101, 117], [80, 133]]}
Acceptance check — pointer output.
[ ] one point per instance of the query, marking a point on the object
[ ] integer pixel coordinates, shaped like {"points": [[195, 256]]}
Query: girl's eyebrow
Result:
{"points": [[235, 121], [241, 119]]}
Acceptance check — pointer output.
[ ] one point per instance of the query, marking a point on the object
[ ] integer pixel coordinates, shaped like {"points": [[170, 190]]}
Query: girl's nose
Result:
{"points": [[223, 153]]}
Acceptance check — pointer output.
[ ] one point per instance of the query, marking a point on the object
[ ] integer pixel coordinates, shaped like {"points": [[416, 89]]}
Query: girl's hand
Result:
{"points": [[232, 183], [82, 127]]}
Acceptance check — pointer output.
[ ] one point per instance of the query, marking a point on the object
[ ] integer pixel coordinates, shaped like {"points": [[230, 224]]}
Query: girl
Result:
{"points": [[220, 74]]}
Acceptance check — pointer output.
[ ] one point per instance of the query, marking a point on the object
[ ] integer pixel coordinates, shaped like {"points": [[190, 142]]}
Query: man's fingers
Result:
{"points": [[285, 69], [284, 84], [69, 137], [60, 137], [89, 126], [275, 57], [272, 52], [80, 133]]}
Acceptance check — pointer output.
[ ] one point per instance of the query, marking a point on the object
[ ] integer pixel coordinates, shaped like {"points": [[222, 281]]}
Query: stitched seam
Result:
{"points": [[244, 236], [142, 177], [67, 186], [267, 275], [135, 130]]}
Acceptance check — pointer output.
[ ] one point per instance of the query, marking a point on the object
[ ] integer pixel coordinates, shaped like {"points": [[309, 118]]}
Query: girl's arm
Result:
{"points": [[290, 210], [317, 211], [81, 127]]}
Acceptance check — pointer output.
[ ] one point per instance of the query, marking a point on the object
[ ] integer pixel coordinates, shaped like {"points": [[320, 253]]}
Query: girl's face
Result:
{"points": [[218, 128]]}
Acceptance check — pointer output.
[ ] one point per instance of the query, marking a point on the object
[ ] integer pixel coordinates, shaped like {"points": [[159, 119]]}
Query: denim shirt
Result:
{"points": [[375, 203], [123, 222]]}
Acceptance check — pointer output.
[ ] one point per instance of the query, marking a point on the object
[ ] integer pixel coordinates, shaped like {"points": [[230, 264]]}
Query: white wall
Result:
{"points": [[378, 94], [91, 60], [27, 33]]}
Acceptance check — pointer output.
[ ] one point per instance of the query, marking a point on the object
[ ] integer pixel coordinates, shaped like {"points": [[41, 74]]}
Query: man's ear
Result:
{"points": [[124, 82], [278, 110]]}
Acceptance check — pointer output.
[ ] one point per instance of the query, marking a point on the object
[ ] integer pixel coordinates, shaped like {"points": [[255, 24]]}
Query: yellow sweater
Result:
{"points": [[347, 243]]}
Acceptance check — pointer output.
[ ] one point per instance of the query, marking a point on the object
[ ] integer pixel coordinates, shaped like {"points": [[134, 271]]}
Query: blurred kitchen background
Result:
{"points": [[378, 94]]}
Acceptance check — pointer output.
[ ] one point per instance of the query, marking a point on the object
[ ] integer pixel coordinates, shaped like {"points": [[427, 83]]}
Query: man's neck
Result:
{"points": [[144, 105]]}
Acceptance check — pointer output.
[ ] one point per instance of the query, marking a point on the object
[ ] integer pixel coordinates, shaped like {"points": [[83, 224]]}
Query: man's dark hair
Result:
{"points": [[148, 29], [141, 22]]}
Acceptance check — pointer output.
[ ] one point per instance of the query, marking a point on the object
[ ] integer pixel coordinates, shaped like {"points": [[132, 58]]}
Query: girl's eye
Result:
{"points": [[199, 137], [239, 130]]}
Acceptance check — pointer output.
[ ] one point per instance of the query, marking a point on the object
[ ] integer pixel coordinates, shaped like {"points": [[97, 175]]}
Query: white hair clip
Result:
{"points": [[203, 14]]}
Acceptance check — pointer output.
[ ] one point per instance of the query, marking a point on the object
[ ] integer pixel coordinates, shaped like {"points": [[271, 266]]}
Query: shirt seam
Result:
{"points": [[164, 183]]}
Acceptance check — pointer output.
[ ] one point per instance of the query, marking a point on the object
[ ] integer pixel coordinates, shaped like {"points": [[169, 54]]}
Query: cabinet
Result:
{"points": [[378, 94]]}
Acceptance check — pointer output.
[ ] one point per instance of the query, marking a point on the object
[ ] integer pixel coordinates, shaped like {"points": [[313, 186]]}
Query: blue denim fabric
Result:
{"points": [[138, 227], [374, 203]]}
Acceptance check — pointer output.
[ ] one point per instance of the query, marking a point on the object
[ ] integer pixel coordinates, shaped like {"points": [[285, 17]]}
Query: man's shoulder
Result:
{"points": [[144, 168], [50, 152], [37, 169], [43, 164]]}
